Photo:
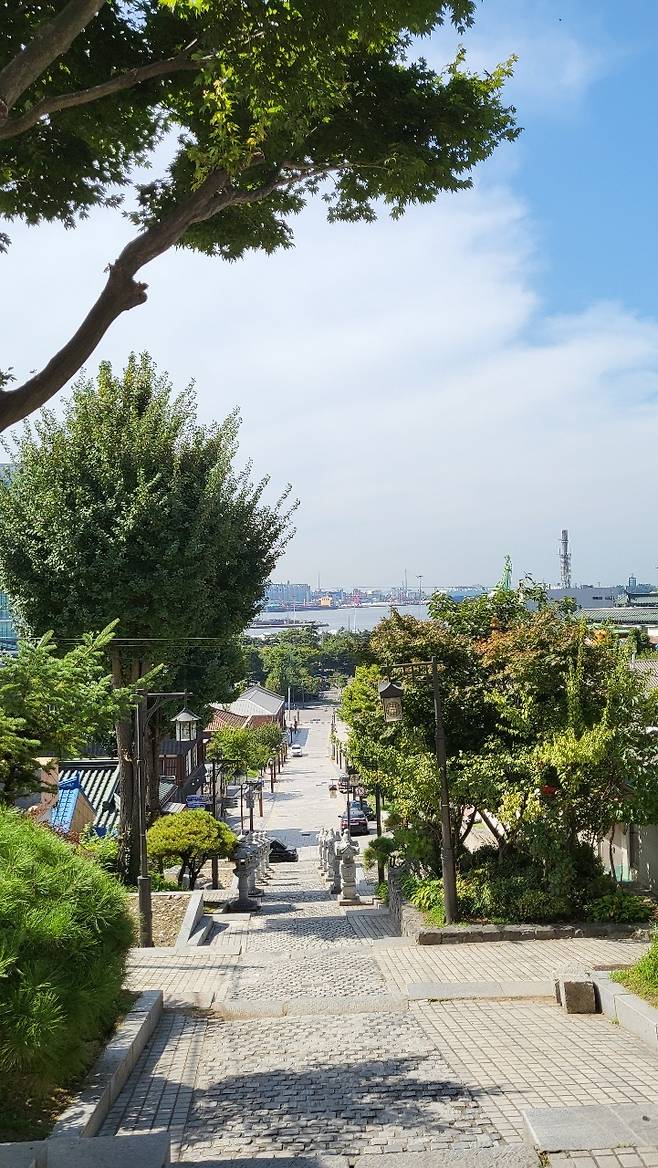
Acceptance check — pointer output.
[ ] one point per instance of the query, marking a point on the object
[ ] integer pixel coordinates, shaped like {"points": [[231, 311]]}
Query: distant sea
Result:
{"points": [[333, 619]]}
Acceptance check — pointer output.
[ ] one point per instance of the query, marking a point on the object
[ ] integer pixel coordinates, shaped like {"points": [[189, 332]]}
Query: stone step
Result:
{"points": [[569, 1129], [499, 1156], [442, 991], [150, 1150], [234, 1008]]}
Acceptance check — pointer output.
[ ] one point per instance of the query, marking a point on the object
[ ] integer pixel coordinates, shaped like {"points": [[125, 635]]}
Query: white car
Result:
{"points": [[296, 750]]}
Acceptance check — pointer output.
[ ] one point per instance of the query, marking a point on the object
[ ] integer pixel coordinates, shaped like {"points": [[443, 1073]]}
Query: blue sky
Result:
{"points": [[453, 387]]}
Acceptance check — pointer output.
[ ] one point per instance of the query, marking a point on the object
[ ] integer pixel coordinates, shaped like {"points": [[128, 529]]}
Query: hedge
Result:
{"points": [[65, 931]]}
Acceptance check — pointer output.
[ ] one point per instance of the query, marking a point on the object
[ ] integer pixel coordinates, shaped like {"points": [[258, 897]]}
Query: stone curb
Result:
{"points": [[439, 991], [235, 1008], [624, 1007], [590, 1126], [191, 920], [148, 1149], [86, 1114], [468, 934]]}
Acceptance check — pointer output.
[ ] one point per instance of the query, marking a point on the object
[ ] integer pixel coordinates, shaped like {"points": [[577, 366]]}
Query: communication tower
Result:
{"points": [[565, 560]]}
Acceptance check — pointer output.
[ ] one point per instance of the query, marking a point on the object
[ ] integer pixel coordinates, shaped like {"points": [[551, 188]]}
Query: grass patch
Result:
{"points": [[642, 978]]}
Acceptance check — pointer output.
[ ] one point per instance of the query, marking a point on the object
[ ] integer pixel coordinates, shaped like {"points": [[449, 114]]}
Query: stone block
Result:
{"points": [[577, 995], [574, 990], [496, 1156], [24, 1155], [641, 1118], [567, 1129], [151, 1150]]}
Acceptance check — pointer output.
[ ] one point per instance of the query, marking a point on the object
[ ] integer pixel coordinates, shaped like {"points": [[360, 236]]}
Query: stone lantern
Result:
{"points": [[346, 851]]}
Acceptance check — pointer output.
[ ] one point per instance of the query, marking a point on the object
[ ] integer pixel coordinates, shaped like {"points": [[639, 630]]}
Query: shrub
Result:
{"points": [[426, 895], [379, 851], [619, 906], [65, 932], [382, 891], [191, 838]]}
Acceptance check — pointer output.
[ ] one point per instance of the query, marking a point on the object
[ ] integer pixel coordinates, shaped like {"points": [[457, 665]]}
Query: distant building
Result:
{"points": [[588, 595], [287, 595]]}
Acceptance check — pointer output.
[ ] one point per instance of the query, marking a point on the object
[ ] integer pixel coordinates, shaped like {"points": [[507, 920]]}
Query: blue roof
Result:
{"points": [[61, 816]]}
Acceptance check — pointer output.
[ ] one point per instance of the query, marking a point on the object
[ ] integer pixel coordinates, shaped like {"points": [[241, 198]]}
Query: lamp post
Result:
{"points": [[391, 698], [147, 706]]}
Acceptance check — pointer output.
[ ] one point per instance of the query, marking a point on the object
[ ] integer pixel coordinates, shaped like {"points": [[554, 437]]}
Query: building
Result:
{"points": [[287, 595], [588, 595], [260, 705]]}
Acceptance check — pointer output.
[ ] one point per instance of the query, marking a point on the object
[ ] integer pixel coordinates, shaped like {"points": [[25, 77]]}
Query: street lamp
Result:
{"points": [[391, 698]]}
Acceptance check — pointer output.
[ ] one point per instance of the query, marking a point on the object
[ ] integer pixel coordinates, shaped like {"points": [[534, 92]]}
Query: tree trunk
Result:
{"points": [[124, 672]]}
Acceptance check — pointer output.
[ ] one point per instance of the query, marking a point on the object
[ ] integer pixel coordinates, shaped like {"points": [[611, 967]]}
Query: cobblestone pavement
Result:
{"points": [[339, 1085]]}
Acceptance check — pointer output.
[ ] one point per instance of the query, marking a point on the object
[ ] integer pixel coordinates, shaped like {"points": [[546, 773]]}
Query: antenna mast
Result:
{"points": [[565, 560]]}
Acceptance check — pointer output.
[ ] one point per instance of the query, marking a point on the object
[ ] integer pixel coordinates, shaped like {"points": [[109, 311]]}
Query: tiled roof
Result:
{"points": [[258, 700], [222, 717], [99, 779], [631, 615], [648, 667], [70, 792]]}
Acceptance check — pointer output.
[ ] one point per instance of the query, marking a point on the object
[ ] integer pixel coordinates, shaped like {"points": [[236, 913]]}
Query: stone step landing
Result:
{"points": [[507, 1156], [150, 1150], [617, 1125], [445, 991]]}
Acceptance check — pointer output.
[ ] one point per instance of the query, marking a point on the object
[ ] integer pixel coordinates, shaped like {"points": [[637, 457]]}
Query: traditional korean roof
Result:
{"points": [[627, 615], [258, 700], [222, 717], [99, 779]]}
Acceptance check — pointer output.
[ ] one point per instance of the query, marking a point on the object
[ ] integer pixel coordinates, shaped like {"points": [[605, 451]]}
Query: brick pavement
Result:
{"points": [[500, 960], [530, 1054]]}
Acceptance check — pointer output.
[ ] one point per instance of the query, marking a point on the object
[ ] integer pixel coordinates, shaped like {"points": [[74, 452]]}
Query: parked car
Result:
{"points": [[358, 823], [280, 854], [296, 750], [364, 806]]}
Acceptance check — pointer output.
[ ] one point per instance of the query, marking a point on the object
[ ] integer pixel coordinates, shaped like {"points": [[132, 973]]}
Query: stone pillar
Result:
{"points": [[244, 863], [331, 856], [321, 844], [255, 857], [347, 850], [334, 887]]}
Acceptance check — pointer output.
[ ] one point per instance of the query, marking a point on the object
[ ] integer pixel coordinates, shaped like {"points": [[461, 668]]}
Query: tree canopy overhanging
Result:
{"points": [[268, 100]]}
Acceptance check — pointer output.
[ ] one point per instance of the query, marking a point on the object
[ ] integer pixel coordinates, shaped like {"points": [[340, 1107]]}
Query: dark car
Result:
{"points": [[280, 854], [358, 824], [364, 806]]}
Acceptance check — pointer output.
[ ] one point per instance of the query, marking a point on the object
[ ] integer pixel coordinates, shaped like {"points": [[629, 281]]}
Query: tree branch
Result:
{"points": [[50, 105], [53, 39], [121, 293]]}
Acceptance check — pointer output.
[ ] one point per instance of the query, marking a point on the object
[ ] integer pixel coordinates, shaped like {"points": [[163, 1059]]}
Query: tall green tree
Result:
{"points": [[126, 508], [268, 100]]}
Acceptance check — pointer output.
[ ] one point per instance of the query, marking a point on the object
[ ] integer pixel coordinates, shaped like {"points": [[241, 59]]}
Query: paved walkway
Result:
{"points": [[296, 1033]]}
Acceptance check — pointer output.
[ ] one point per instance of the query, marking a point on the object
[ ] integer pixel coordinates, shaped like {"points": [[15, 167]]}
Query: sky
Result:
{"points": [[446, 389]]}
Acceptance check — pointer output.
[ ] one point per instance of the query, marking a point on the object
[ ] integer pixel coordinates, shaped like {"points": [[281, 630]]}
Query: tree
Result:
{"points": [[548, 741], [292, 662], [52, 706], [127, 508], [243, 745], [269, 100], [190, 837]]}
